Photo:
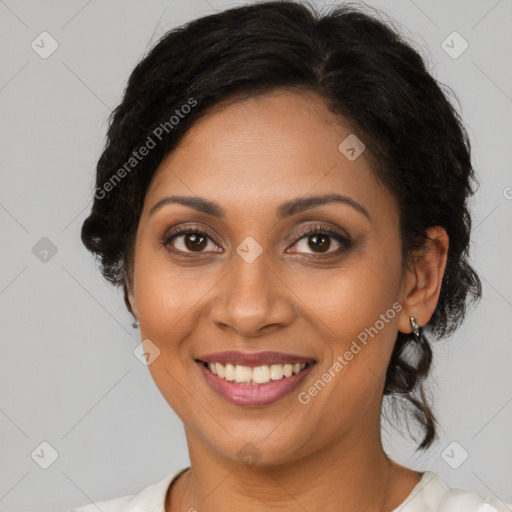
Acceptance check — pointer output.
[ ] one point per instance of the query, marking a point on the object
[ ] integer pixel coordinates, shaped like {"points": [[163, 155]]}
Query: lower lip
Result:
{"points": [[254, 395]]}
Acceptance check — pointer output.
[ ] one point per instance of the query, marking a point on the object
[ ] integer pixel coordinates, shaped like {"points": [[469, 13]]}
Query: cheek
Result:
{"points": [[167, 293], [167, 302], [167, 306], [345, 301], [355, 312]]}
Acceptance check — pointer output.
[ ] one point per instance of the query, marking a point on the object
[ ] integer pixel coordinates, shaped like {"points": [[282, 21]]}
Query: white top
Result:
{"points": [[429, 495]]}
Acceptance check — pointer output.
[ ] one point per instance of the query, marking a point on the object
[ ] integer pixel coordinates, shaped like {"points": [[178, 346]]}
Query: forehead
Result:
{"points": [[266, 149]]}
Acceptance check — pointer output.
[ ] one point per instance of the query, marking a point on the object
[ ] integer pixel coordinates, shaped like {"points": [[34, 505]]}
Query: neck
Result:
{"points": [[334, 478]]}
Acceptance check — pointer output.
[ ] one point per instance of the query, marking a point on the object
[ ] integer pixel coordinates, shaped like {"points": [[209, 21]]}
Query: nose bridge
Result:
{"points": [[251, 297], [252, 280]]}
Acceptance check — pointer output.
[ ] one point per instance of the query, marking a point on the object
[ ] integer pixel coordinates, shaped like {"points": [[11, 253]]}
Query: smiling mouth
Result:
{"points": [[254, 375]]}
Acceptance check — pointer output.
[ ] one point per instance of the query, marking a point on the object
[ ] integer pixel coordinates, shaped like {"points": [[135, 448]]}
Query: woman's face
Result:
{"points": [[254, 282]]}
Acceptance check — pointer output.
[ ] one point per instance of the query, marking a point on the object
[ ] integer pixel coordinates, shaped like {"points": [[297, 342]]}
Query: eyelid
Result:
{"points": [[343, 239], [339, 235], [182, 230]]}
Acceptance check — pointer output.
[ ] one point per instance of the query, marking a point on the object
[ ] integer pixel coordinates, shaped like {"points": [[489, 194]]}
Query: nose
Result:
{"points": [[252, 299]]}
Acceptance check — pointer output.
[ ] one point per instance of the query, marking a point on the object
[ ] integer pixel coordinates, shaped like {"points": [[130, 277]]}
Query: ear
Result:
{"points": [[128, 286], [422, 284]]}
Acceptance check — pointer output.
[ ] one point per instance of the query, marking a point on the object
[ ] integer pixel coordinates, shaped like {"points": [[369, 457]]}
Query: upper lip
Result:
{"points": [[254, 358]]}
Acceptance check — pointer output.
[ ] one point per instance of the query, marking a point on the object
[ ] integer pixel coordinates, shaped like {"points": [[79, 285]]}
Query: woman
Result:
{"points": [[284, 198]]}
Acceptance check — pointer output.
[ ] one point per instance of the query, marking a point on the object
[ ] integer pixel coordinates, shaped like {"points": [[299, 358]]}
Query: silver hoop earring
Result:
{"points": [[416, 329], [135, 323]]}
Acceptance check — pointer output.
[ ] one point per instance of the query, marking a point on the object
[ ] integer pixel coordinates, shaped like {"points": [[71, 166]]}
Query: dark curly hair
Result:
{"points": [[365, 71]]}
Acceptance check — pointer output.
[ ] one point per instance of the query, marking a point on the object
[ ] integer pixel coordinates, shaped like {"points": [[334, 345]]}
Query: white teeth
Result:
{"points": [[276, 371], [255, 375], [229, 372], [261, 374], [243, 373], [288, 370], [219, 370]]}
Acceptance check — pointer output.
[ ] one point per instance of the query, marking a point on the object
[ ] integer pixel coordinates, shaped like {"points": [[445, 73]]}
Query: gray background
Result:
{"points": [[68, 373]]}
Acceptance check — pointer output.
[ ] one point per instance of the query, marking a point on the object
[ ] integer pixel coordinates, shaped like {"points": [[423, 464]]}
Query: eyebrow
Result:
{"points": [[287, 209]]}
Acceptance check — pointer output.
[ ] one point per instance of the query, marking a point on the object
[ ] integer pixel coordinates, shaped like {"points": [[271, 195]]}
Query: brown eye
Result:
{"points": [[318, 239], [189, 241], [319, 242], [194, 241]]}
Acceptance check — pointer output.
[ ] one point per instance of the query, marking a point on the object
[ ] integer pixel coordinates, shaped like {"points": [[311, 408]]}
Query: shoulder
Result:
{"points": [[431, 494], [151, 498], [466, 501]]}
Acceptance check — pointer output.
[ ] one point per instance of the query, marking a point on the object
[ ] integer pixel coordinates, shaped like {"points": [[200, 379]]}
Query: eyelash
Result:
{"points": [[344, 242]]}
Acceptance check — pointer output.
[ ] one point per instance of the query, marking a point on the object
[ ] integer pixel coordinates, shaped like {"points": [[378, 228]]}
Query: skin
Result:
{"points": [[250, 156]]}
